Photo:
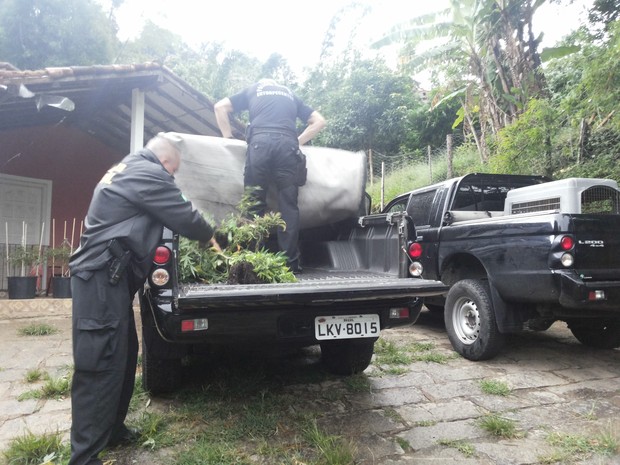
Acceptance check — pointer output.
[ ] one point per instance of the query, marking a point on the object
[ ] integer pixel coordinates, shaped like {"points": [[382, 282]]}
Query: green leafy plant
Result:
{"points": [[242, 237], [26, 257], [196, 263], [269, 267], [59, 256]]}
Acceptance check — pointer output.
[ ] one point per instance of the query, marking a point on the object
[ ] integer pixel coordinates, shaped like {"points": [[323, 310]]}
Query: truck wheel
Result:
{"points": [[347, 357], [470, 320], [159, 375], [600, 334]]}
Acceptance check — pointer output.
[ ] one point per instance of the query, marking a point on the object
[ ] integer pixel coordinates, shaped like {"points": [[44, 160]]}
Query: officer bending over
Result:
{"points": [[130, 206]]}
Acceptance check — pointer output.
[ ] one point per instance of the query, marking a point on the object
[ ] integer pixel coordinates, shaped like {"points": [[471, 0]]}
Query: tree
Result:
{"points": [[39, 33], [154, 44], [605, 12], [277, 67], [367, 105], [526, 145], [489, 54]]}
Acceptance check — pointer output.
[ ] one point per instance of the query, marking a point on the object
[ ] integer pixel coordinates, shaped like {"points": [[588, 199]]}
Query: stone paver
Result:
{"points": [[418, 417]]}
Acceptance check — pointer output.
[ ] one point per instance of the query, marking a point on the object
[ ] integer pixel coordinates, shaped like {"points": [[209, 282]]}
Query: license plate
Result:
{"points": [[346, 326]]}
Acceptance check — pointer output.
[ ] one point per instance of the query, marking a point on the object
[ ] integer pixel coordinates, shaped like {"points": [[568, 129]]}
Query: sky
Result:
{"points": [[296, 29]]}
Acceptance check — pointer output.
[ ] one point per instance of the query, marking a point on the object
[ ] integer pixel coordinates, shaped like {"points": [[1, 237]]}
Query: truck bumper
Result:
{"points": [[576, 293], [279, 325]]}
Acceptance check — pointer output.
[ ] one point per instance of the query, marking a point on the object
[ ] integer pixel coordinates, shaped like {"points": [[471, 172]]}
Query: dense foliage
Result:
{"points": [[41, 33], [243, 238], [552, 112]]}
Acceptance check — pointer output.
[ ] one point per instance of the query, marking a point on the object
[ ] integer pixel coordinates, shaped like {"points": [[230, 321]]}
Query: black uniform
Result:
{"points": [[130, 205], [273, 153]]}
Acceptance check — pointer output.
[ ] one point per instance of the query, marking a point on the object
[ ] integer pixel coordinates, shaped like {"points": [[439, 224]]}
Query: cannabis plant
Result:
{"points": [[242, 237]]}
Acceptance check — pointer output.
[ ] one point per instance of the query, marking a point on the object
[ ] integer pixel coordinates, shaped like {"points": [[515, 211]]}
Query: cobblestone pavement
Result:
{"points": [[418, 417]]}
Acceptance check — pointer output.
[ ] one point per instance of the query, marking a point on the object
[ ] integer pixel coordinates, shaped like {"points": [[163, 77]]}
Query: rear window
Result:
{"points": [[419, 207], [601, 200]]}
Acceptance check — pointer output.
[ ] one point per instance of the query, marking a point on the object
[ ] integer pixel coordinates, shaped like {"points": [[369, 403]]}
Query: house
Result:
{"points": [[62, 128]]}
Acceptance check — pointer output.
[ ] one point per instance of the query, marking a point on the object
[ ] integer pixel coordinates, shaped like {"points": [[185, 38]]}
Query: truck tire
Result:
{"points": [[600, 334], [470, 320], [159, 375], [347, 357]]}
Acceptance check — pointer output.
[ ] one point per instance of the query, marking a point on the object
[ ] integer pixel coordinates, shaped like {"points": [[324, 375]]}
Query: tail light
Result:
{"points": [[399, 313], [162, 255], [160, 276], [567, 242], [415, 250], [563, 252]]}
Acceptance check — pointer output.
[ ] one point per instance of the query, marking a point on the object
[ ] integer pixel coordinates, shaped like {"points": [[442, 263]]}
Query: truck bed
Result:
{"points": [[315, 286]]}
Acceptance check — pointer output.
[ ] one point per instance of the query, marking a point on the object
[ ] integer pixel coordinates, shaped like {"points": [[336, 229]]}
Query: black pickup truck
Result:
{"points": [[519, 252], [355, 283]]}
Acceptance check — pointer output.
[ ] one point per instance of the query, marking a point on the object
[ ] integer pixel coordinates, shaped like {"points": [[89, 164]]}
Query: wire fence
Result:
{"points": [[390, 175]]}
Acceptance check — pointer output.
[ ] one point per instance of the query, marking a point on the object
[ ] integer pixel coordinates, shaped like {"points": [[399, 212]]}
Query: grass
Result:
{"points": [[425, 423], [31, 449], [404, 444], [495, 387], [499, 426], [37, 329], [392, 358], [465, 448], [333, 450], [573, 448], [243, 414], [52, 388], [34, 375], [393, 415], [357, 383]]}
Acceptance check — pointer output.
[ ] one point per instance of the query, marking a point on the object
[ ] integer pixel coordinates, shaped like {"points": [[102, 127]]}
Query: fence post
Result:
{"points": [[430, 164], [370, 166], [382, 183], [449, 154]]}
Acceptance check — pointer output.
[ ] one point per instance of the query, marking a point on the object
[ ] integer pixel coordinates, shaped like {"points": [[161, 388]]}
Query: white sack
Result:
{"points": [[211, 176]]}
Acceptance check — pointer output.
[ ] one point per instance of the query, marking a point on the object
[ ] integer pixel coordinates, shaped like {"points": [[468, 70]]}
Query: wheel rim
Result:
{"points": [[466, 320]]}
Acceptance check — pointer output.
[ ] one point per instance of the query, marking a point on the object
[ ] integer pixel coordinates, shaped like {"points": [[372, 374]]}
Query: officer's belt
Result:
{"points": [[283, 132]]}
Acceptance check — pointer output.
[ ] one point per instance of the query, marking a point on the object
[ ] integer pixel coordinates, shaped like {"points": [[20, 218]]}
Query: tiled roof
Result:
{"points": [[102, 97]]}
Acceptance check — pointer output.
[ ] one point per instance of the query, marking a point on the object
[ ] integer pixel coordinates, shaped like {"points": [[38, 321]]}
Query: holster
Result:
{"points": [[302, 171], [119, 262]]}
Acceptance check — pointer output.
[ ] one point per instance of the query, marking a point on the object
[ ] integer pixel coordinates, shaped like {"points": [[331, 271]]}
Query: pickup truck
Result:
{"points": [[518, 252], [356, 282]]}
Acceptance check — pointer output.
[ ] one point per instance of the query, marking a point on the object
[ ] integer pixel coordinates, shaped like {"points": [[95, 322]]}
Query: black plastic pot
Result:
{"points": [[61, 287], [22, 287]]}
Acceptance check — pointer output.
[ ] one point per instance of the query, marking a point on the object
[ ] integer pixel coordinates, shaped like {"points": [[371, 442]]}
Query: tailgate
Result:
{"points": [[312, 288], [597, 253]]}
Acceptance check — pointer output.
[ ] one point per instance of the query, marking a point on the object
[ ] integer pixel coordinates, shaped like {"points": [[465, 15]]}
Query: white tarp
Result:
{"points": [[211, 176]]}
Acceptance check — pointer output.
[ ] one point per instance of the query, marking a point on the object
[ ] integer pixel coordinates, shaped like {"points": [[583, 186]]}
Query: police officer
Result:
{"points": [[130, 206], [273, 154]]}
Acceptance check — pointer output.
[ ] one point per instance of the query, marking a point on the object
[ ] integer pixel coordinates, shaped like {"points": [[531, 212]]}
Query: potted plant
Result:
{"points": [[58, 258], [24, 285]]}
